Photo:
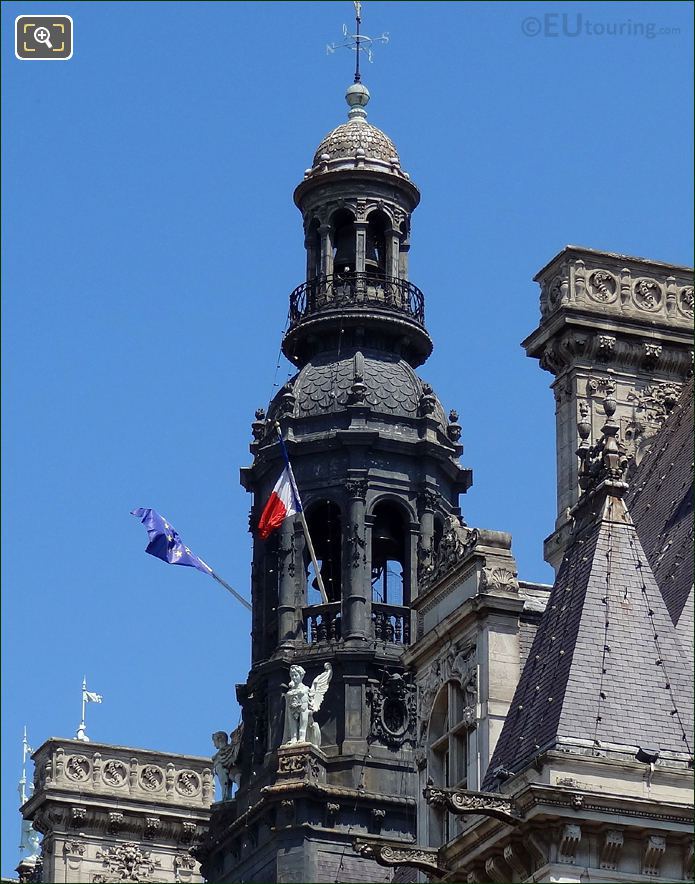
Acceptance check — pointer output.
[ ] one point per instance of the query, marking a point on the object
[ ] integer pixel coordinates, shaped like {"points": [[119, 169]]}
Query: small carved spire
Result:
{"points": [[453, 431], [258, 427], [606, 461]]}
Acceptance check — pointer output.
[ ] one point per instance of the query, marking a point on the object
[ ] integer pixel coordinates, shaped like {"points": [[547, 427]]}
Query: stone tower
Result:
{"points": [[376, 462], [609, 324]]}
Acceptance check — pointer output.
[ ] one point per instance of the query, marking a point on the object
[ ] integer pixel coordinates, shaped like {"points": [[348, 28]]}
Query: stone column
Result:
{"points": [[425, 549], [360, 245], [393, 252], [356, 598], [287, 613], [326, 249]]}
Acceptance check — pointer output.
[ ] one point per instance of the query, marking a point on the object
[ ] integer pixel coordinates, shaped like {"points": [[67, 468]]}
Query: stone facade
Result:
{"points": [[112, 813], [609, 323]]}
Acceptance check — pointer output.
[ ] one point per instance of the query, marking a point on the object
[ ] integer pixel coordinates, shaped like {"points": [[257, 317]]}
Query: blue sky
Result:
{"points": [[150, 245]]}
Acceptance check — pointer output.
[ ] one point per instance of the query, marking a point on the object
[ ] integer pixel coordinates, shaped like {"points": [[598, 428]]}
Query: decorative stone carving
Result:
{"points": [[357, 488], [75, 849], [496, 870], [647, 294], [115, 773], [600, 386], [606, 347], [685, 301], [128, 863], [427, 499], [428, 401], [498, 578], [299, 766], [77, 768], [183, 862], [463, 801], [458, 664], [188, 831], [570, 837], [603, 287], [78, 815], [653, 853], [187, 783], [358, 545], [258, 427], [516, 861], [454, 429], [652, 352], [224, 761], [151, 778], [378, 816], [655, 401], [385, 854], [301, 702], [456, 544], [611, 849], [116, 820], [153, 824], [393, 712]]}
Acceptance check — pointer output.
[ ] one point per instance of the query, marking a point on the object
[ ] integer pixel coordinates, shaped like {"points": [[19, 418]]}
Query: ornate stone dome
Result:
{"points": [[357, 143], [387, 386], [345, 140]]}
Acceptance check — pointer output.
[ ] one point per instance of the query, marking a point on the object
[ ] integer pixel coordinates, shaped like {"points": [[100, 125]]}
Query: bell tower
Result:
{"points": [[376, 464]]}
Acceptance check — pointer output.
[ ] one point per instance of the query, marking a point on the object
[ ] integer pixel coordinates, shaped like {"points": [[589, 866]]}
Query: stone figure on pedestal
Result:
{"points": [[301, 702], [224, 761]]}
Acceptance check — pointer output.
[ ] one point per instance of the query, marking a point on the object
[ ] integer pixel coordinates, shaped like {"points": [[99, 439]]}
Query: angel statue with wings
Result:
{"points": [[301, 702]]}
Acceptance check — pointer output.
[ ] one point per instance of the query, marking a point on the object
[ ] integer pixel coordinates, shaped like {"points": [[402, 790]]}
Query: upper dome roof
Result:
{"points": [[387, 385], [357, 143]]}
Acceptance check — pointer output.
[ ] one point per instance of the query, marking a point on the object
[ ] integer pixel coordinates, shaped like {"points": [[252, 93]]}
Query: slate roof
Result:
{"points": [[605, 595], [661, 504]]}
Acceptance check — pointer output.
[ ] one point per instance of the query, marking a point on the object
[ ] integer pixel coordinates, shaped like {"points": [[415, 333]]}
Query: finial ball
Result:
{"points": [[357, 95]]}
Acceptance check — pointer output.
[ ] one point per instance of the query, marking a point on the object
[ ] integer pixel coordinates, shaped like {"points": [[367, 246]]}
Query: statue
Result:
{"points": [[301, 702], [224, 761]]}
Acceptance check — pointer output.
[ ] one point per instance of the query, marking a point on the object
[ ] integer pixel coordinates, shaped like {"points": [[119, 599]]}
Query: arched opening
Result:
{"points": [[375, 263], [390, 585], [447, 755], [268, 581], [313, 250], [344, 243], [324, 522], [404, 249], [438, 533]]}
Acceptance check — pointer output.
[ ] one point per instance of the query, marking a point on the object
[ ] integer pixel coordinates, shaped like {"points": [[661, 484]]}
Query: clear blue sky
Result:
{"points": [[150, 245]]}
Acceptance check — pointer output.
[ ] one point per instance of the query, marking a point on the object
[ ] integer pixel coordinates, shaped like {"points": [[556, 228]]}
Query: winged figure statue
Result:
{"points": [[301, 702]]}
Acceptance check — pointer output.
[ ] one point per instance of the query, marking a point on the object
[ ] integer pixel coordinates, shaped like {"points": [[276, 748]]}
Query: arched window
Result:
{"points": [[375, 252], [324, 521], [344, 243], [390, 584], [313, 250], [447, 755]]}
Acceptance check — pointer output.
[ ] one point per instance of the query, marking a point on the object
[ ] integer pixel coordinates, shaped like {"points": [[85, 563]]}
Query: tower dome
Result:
{"points": [[356, 143]]}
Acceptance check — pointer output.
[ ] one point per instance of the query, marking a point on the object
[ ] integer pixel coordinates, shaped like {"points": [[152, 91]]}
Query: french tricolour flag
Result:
{"points": [[283, 501]]}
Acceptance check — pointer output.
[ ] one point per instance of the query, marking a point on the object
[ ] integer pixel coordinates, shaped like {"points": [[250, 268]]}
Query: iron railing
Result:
{"points": [[356, 290], [391, 623], [321, 623]]}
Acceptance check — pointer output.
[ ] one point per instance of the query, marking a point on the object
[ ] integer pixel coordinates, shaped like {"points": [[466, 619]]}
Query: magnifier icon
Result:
{"points": [[43, 35]]}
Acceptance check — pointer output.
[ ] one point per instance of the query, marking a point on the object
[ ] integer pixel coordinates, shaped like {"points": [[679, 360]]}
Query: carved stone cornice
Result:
{"points": [[464, 801], [397, 854]]}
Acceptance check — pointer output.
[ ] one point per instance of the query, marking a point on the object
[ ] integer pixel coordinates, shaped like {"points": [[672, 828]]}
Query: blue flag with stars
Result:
{"points": [[165, 542]]}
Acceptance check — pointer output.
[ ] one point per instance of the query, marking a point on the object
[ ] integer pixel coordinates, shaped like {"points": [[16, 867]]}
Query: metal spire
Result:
{"points": [[358, 42]]}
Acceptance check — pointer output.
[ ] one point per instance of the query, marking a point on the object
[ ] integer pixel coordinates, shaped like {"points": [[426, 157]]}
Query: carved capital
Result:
{"points": [[357, 488], [153, 824], [78, 815]]}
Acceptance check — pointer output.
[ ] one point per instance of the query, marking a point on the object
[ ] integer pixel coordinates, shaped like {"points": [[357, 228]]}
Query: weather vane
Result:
{"points": [[357, 42]]}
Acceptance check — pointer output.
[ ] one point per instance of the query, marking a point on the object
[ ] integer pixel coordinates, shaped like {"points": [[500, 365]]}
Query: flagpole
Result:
{"points": [[82, 729], [236, 595], [307, 536]]}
